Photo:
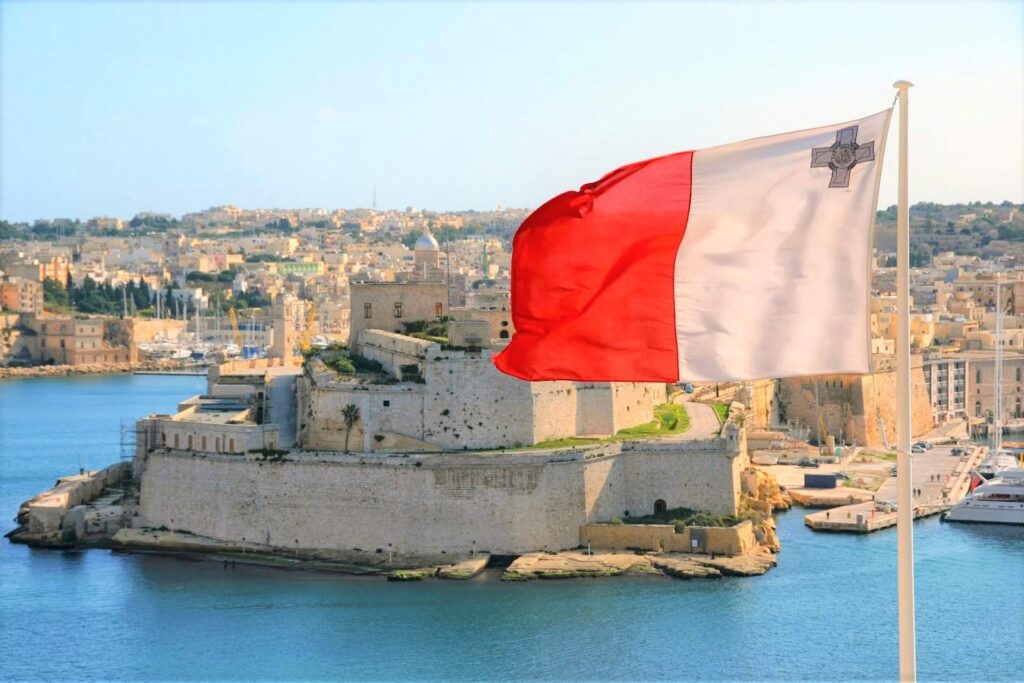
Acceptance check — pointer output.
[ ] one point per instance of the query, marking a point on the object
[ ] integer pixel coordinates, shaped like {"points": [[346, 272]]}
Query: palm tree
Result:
{"points": [[351, 415]]}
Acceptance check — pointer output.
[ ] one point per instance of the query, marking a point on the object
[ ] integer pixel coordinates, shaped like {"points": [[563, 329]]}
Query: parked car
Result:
{"points": [[924, 445], [808, 463], [957, 451], [843, 475], [917, 448], [892, 472]]}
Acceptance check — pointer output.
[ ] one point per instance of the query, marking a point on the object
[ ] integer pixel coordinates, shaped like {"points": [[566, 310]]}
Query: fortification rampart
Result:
{"points": [[509, 502]]}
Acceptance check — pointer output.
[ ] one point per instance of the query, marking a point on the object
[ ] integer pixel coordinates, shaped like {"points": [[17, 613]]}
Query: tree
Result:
{"points": [[351, 415]]}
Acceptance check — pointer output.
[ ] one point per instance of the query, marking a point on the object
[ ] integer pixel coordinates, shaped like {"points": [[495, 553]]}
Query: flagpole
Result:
{"points": [[904, 484]]}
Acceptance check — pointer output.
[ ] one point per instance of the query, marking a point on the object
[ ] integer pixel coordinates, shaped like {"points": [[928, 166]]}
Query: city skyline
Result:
{"points": [[113, 109]]}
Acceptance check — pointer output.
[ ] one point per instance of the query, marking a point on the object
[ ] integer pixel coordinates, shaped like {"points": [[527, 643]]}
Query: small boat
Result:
{"points": [[999, 500]]}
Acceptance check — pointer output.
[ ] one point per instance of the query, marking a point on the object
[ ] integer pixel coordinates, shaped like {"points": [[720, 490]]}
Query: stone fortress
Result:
{"points": [[432, 452]]}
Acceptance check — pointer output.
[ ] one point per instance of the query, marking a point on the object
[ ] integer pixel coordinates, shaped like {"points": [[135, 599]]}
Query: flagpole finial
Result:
{"points": [[903, 85]]}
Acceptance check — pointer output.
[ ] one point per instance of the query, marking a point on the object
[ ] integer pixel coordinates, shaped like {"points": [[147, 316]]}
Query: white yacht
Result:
{"points": [[999, 500], [996, 463]]}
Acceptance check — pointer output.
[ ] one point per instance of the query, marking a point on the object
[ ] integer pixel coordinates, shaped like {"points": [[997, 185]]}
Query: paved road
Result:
{"points": [[704, 423]]}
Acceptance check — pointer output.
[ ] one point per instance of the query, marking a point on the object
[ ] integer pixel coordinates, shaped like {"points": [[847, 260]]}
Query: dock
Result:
{"points": [[941, 480], [863, 518]]}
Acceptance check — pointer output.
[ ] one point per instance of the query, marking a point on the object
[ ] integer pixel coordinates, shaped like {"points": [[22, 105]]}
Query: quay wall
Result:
{"points": [[502, 503]]}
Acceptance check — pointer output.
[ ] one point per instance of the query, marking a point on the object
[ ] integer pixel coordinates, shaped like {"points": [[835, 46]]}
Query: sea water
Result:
{"points": [[827, 612]]}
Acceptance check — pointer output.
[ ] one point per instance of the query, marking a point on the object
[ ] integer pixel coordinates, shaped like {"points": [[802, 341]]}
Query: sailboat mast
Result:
{"points": [[997, 412]]}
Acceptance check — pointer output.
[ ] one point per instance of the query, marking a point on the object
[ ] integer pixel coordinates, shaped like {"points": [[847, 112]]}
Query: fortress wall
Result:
{"points": [[594, 411], [554, 410], [470, 405], [393, 350], [853, 404], [421, 510], [633, 403], [508, 503], [704, 478], [322, 426]]}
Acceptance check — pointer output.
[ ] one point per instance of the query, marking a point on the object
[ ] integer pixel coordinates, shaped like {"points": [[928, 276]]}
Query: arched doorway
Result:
{"points": [[660, 507]]}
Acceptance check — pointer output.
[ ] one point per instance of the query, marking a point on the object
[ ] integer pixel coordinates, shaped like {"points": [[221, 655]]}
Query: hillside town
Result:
{"points": [[229, 283]]}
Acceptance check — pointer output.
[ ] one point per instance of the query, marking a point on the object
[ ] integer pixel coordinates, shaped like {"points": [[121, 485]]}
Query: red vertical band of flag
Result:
{"points": [[593, 278]]}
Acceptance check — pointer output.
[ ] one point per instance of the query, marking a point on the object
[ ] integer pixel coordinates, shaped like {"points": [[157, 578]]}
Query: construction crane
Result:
{"points": [[305, 342], [236, 334]]}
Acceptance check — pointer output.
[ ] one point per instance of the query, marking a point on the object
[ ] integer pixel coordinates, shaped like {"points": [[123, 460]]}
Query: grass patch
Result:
{"points": [[684, 517], [722, 411], [877, 455], [566, 442], [670, 418]]}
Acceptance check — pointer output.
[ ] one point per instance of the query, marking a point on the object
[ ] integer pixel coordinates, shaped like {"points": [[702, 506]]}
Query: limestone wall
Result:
{"points": [[393, 350], [854, 404], [734, 540], [683, 474], [633, 403], [316, 503], [503, 503]]}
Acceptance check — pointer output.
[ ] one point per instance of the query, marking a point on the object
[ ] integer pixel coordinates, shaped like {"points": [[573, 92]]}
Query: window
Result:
{"points": [[977, 376], [231, 445], [190, 442], [387, 403], [367, 310], [438, 309], [216, 444], [203, 440], [977, 409], [163, 438], [398, 309], [175, 440], [1018, 374], [503, 334]]}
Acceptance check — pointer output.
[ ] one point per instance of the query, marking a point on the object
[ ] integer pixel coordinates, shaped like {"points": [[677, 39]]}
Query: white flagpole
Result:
{"points": [[904, 485]]}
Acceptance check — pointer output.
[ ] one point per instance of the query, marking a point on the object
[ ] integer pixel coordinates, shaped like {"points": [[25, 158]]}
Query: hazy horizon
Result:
{"points": [[110, 108]]}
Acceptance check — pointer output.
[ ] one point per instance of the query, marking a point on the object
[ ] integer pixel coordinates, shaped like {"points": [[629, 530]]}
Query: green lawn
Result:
{"points": [[670, 418], [722, 410]]}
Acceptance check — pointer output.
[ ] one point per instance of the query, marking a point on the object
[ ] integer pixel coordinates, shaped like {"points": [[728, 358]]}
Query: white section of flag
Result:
{"points": [[773, 274]]}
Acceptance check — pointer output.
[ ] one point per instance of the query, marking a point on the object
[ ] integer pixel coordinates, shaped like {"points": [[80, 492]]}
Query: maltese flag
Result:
{"points": [[744, 261]]}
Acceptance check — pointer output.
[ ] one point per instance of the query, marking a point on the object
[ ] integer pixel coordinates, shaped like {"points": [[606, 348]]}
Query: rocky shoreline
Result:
{"points": [[566, 564], [92, 369]]}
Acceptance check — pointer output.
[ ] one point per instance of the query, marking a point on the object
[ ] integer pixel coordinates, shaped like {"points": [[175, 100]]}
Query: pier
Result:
{"points": [[940, 480]]}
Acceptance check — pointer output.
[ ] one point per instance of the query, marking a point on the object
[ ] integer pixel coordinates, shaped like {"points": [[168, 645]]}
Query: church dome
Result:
{"points": [[427, 243]]}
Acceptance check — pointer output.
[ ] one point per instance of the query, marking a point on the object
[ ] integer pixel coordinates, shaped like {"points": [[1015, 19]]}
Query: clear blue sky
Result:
{"points": [[113, 108]]}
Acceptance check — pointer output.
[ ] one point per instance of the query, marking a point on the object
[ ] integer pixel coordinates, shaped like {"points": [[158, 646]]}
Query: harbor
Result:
{"points": [[857, 494]]}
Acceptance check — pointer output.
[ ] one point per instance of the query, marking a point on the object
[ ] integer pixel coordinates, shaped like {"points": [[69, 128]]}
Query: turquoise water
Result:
{"points": [[826, 613]]}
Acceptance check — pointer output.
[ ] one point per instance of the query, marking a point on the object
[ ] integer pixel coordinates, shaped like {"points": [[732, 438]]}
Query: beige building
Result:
{"points": [[946, 382], [982, 289], [386, 305], [981, 385], [21, 295], [70, 340]]}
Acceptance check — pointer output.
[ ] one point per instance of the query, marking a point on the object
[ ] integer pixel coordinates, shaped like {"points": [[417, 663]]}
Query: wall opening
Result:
{"points": [[660, 507]]}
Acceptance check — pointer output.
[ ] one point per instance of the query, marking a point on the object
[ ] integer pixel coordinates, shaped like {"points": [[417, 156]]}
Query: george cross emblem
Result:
{"points": [[842, 156]]}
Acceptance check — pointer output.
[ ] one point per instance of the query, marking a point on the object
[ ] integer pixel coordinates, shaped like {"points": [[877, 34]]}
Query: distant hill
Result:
{"points": [[964, 228]]}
